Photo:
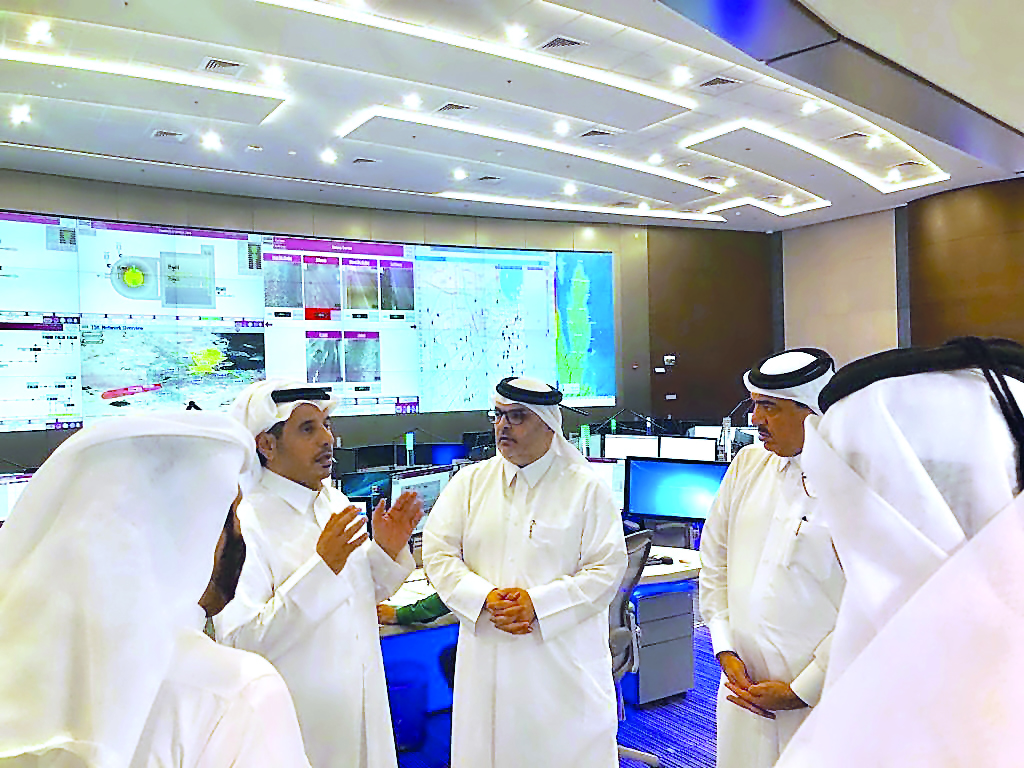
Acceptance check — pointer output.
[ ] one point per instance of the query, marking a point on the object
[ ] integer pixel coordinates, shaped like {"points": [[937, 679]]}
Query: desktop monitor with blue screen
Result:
{"points": [[438, 454], [622, 446], [371, 484], [428, 483], [672, 489]]}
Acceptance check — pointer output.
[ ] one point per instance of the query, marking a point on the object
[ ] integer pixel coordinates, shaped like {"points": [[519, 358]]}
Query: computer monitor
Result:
{"points": [[696, 448], [613, 472], [713, 431], [438, 454], [672, 489], [428, 483], [479, 445], [11, 487], [371, 456], [372, 484], [622, 446]]}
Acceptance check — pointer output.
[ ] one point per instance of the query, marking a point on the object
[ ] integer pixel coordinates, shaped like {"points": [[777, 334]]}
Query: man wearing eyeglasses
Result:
{"points": [[527, 550], [770, 582]]}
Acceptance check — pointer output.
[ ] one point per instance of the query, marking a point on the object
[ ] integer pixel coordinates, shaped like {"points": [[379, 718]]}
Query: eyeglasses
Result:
{"points": [[515, 417]]}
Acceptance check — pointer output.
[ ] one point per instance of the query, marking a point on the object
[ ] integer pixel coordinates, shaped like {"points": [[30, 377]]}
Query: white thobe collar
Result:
{"points": [[531, 473], [296, 495]]}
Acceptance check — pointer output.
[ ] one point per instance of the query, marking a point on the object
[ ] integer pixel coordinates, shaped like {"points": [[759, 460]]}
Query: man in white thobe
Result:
{"points": [[919, 475], [311, 581], [770, 583], [102, 560], [527, 550]]}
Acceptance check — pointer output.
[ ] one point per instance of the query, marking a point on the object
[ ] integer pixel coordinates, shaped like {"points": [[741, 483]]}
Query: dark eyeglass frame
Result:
{"points": [[513, 416]]}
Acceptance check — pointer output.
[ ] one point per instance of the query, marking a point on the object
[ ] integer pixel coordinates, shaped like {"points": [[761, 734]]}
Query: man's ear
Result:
{"points": [[266, 444]]}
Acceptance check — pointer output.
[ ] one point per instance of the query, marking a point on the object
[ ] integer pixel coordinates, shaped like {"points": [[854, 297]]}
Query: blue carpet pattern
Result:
{"points": [[679, 730]]}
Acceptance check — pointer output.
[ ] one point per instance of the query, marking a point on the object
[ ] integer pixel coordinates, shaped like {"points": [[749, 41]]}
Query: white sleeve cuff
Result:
{"points": [[467, 599], [721, 636], [388, 574], [809, 684]]}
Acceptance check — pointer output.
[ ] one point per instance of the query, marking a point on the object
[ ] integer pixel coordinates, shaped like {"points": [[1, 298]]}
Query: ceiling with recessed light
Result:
{"points": [[586, 110]]}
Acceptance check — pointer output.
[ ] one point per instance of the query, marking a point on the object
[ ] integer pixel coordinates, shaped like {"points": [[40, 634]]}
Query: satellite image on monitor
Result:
{"points": [[138, 366]]}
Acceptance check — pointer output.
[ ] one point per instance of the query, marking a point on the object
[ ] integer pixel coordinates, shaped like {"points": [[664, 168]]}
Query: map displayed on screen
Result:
{"points": [[104, 317]]}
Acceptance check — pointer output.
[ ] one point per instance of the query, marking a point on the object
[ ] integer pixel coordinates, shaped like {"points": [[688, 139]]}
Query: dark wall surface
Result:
{"points": [[966, 263], [711, 306]]}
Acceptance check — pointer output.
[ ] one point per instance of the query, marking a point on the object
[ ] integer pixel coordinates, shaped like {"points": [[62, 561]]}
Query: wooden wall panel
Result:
{"points": [[966, 258], [711, 306]]}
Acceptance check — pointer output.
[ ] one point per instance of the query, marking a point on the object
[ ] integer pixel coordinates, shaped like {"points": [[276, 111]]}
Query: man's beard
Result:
{"points": [[231, 562]]}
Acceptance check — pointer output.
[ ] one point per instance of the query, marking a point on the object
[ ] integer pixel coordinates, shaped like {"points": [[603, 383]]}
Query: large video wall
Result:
{"points": [[101, 317]]}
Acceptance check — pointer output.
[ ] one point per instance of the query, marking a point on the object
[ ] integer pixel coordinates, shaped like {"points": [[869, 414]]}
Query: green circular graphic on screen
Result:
{"points": [[136, 277], [133, 277]]}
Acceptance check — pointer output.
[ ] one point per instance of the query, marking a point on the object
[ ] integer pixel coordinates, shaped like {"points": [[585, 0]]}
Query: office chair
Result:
{"points": [[624, 634]]}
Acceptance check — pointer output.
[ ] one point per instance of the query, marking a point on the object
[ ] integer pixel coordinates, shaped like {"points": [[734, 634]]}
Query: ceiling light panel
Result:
{"points": [[535, 76], [555, 205], [809, 109], [706, 142], [434, 134], [135, 86]]}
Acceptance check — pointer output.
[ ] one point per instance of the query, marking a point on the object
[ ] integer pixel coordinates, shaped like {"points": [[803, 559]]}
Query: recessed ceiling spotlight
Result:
{"points": [[642, 206], [787, 201], [211, 141], [39, 33], [894, 175], [459, 174], [875, 142], [655, 159], [516, 34], [273, 75], [681, 76], [730, 182], [569, 189], [412, 101], [588, 233], [21, 113], [810, 107], [329, 156], [562, 127], [292, 152]]}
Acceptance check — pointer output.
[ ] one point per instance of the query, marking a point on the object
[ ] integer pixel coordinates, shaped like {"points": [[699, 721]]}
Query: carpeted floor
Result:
{"points": [[680, 730]]}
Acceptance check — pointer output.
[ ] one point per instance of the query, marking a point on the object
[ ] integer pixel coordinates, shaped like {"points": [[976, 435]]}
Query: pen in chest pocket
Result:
{"points": [[803, 520]]}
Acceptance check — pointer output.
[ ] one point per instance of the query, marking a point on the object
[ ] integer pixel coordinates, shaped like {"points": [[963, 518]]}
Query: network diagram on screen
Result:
{"points": [[100, 317]]}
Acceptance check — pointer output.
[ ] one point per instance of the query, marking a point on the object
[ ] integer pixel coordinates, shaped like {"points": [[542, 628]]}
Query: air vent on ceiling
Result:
{"points": [[560, 41], [771, 198], [851, 135], [163, 134], [254, 148], [595, 132], [360, 160], [623, 204], [718, 81], [221, 66], [451, 106], [712, 179], [491, 179], [909, 164]]}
